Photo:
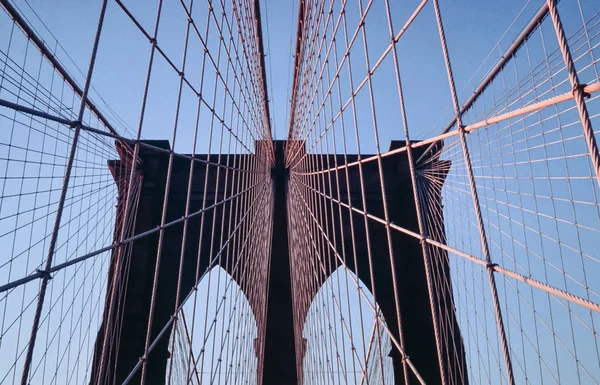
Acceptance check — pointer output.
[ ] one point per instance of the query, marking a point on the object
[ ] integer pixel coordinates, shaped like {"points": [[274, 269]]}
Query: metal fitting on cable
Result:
{"points": [[580, 87], [491, 266], [44, 273]]}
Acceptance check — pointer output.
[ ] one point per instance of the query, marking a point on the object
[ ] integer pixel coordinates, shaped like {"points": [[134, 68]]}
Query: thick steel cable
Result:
{"points": [[474, 195], [61, 203], [39, 43], [189, 188], [418, 206], [505, 58], [117, 244], [362, 293], [166, 327], [578, 92]]}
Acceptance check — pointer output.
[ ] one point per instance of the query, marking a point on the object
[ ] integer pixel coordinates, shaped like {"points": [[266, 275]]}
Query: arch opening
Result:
{"points": [[214, 339], [345, 335]]}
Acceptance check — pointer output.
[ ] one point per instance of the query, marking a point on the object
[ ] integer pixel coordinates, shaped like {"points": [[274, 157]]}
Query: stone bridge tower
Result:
{"points": [[279, 366]]}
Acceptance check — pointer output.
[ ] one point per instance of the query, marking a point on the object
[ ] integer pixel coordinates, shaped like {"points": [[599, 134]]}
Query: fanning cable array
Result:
{"points": [[75, 196], [504, 201]]}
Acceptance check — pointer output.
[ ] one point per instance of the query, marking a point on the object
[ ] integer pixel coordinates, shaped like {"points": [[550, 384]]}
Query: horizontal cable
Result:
{"points": [[529, 280], [45, 51], [212, 263], [504, 59], [71, 124], [589, 89], [40, 274]]}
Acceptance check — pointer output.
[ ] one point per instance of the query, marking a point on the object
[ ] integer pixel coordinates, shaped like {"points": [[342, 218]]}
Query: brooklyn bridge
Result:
{"points": [[420, 206]]}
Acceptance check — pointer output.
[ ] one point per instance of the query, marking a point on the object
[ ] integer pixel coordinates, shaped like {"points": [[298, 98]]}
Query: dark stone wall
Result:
{"points": [[408, 262], [279, 366]]}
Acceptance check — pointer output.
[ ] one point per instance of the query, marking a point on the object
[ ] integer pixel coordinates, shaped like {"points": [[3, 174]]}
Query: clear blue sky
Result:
{"points": [[123, 55]]}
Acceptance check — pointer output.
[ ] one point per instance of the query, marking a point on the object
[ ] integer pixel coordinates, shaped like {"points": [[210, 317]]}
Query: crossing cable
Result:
{"points": [[189, 190], [577, 87], [212, 263], [513, 116], [373, 306], [474, 195], [523, 278], [45, 273], [522, 112], [32, 36], [128, 240], [307, 167], [505, 58]]}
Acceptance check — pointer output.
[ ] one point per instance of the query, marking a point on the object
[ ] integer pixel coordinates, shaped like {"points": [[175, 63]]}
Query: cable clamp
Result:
{"points": [[491, 265], [581, 87], [44, 273]]}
